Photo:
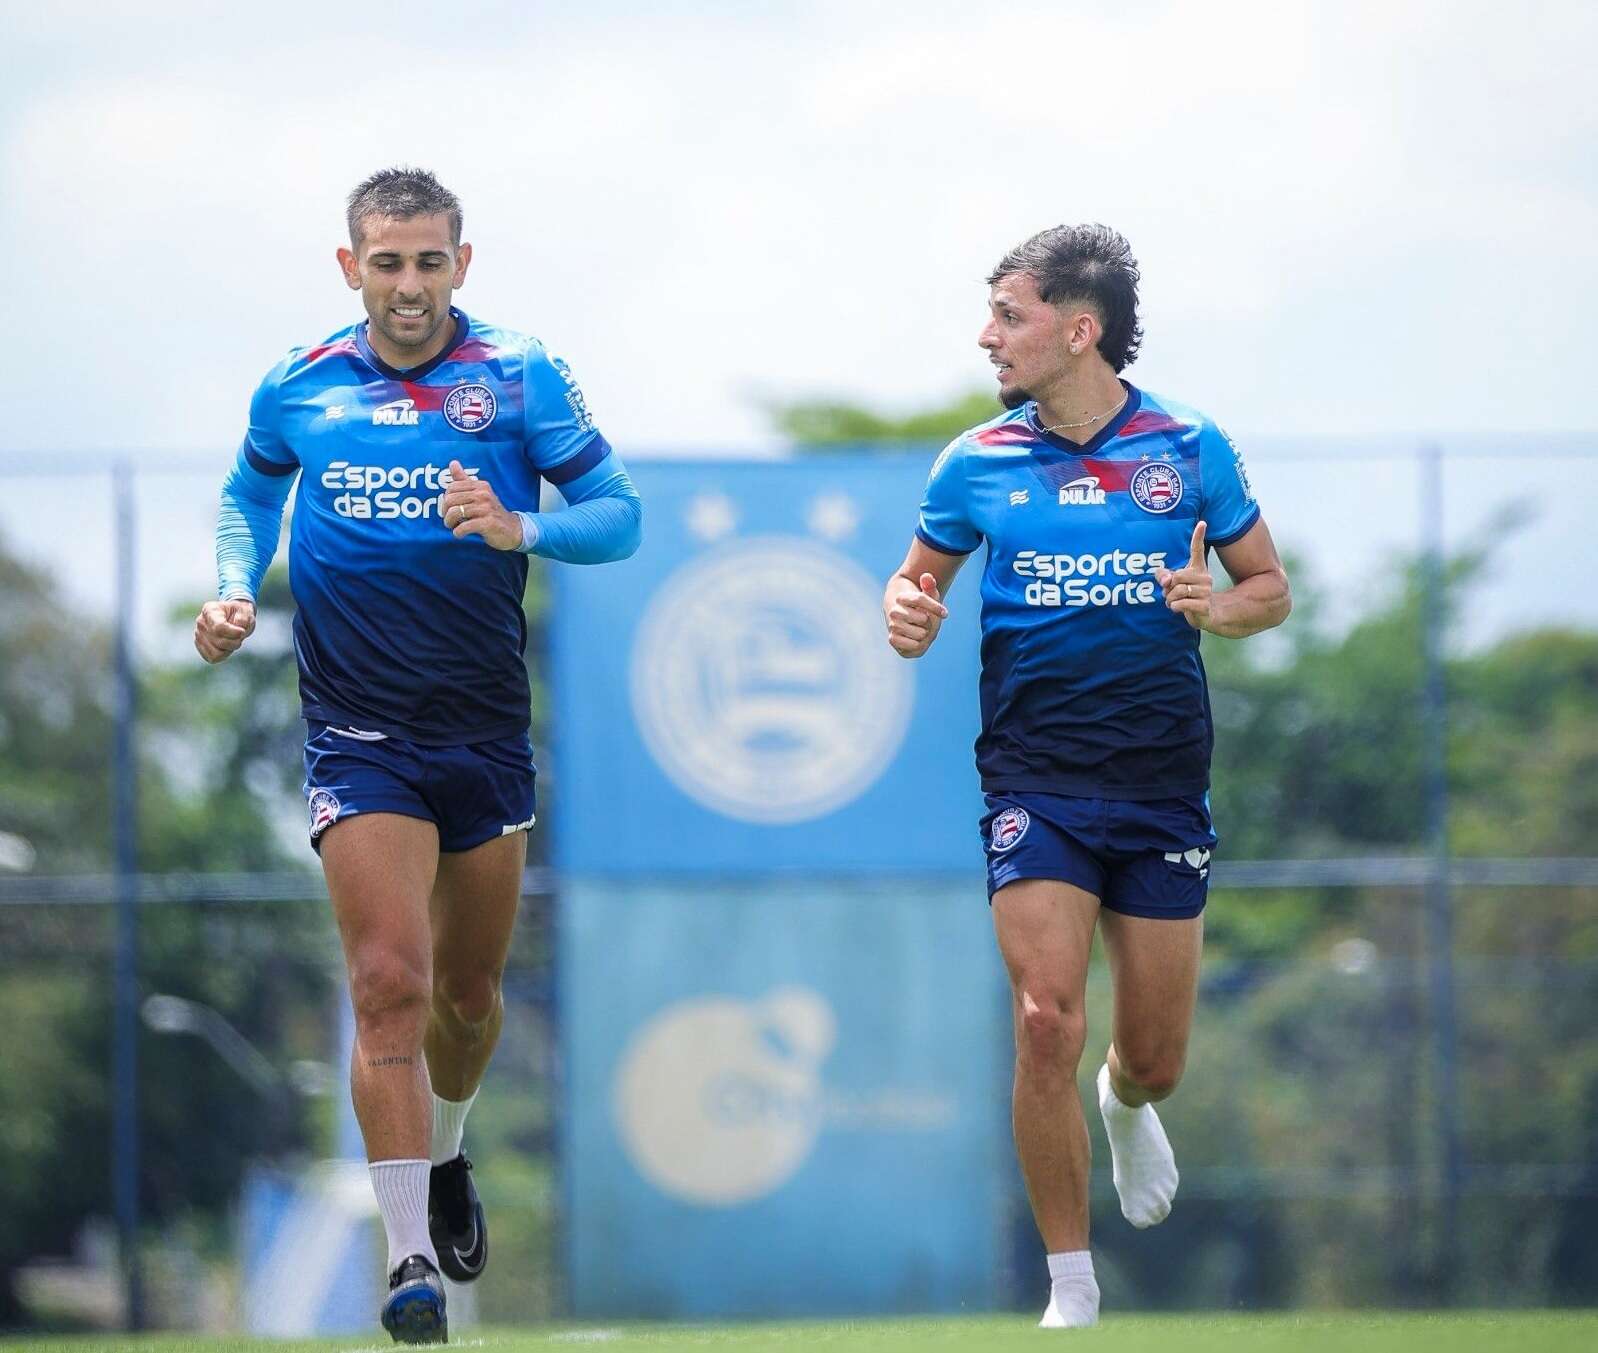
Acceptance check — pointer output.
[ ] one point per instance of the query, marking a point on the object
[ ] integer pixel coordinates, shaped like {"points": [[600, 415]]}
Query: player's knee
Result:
{"points": [[468, 1001], [1052, 1031], [387, 988], [1155, 1071]]}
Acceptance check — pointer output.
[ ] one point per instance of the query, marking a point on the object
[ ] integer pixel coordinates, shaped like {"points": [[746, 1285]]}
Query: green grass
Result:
{"points": [[1471, 1332]]}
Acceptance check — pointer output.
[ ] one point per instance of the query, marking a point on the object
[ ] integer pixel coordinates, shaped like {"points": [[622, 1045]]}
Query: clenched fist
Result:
{"points": [[222, 626], [914, 615], [472, 508]]}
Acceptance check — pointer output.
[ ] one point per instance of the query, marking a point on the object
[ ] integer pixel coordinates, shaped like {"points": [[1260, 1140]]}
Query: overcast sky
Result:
{"points": [[1351, 217], [1354, 219]]}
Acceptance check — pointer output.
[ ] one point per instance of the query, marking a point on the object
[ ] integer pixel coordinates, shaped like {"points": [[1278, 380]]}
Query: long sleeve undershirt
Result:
{"points": [[247, 528], [602, 522]]}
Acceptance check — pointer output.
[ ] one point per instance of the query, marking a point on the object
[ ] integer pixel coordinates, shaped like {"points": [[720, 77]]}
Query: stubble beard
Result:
{"points": [[400, 340], [1013, 397]]}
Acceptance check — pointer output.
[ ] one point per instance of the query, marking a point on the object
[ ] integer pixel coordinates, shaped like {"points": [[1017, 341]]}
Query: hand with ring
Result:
{"points": [[471, 508], [1188, 589]]}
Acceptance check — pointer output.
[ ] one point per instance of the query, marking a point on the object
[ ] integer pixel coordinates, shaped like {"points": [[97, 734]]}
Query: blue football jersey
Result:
{"points": [[401, 628], [1091, 685]]}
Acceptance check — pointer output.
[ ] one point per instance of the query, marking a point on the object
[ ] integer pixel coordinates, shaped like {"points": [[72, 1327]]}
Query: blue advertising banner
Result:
{"points": [[783, 1098], [726, 699]]}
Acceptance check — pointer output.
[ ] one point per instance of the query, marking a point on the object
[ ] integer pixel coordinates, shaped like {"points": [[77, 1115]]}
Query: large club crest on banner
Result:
{"points": [[726, 699]]}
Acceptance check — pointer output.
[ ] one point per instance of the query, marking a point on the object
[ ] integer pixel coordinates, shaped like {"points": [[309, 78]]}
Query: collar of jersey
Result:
{"points": [[412, 373], [1134, 398]]}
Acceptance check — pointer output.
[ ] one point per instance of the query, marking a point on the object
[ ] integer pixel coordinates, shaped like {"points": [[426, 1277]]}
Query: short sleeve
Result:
{"points": [[1229, 506], [264, 448], [561, 439], [945, 521]]}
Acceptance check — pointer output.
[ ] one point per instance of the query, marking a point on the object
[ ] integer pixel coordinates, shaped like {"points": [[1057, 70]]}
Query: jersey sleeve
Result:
{"points": [[602, 522], [562, 442], [1229, 506], [945, 522], [264, 449]]}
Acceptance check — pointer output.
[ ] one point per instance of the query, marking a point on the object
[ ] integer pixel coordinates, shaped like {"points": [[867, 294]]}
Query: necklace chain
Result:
{"points": [[1061, 427]]}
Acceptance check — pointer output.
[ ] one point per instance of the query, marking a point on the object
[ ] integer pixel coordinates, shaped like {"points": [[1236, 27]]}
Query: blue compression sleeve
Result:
{"points": [[248, 526], [602, 522]]}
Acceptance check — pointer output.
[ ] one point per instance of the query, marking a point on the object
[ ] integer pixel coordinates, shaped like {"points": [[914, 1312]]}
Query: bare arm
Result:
{"points": [[912, 602]]}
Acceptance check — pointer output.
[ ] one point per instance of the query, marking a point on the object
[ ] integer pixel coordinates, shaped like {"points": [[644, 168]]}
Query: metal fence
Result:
{"points": [[1413, 1109]]}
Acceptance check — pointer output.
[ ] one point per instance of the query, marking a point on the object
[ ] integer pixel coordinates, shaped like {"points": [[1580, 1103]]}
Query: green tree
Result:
{"points": [[1313, 1056], [203, 805], [823, 425]]}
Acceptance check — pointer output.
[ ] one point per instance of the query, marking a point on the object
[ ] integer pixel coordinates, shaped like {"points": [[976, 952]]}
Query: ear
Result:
{"points": [[462, 262], [350, 266], [1082, 332]]}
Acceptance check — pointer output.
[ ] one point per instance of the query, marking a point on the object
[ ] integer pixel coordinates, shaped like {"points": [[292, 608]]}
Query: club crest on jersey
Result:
{"points": [[470, 408], [324, 808], [1157, 487], [1008, 828]]}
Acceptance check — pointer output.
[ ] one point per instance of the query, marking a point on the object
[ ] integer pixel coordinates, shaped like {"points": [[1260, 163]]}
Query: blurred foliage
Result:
{"points": [[828, 425], [219, 775], [1303, 1061]]}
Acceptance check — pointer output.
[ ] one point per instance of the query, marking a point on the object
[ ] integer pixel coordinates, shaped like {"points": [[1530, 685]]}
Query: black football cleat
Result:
{"points": [[455, 1220], [414, 1311]]}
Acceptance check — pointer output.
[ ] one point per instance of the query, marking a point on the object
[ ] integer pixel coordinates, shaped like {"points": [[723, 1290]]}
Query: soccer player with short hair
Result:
{"points": [[1099, 503], [419, 438]]}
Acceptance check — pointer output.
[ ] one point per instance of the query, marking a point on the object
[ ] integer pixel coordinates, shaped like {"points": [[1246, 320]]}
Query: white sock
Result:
{"points": [[449, 1126], [401, 1189], [1073, 1292], [1141, 1160]]}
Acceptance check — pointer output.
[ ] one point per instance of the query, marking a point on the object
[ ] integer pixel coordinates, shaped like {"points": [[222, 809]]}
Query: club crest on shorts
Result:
{"points": [[1008, 828], [1156, 487], [324, 808], [470, 408]]}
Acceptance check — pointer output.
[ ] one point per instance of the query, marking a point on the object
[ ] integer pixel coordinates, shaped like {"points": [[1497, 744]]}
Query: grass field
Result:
{"points": [[1473, 1332]]}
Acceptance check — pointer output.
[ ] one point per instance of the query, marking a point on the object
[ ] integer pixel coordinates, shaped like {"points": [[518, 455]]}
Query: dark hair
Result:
{"points": [[401, 194], [1089, 263]]}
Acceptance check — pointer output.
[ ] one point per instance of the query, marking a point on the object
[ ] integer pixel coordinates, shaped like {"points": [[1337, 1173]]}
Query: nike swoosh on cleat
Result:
{"points": [[471, 1258]]}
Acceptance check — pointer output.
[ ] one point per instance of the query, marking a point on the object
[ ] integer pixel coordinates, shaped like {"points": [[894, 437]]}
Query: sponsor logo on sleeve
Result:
{"points": [[942, 460], [574, 396], [1237, 461]]}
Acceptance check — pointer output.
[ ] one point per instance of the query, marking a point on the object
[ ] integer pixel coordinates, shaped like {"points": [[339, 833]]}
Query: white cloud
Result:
{"points": [[700, 205]]}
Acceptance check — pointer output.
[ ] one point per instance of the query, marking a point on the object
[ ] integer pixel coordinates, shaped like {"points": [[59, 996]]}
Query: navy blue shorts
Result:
{"points": [[472, 793], [1141, 858]]}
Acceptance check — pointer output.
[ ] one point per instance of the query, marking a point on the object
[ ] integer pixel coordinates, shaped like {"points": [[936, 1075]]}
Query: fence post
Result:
{"points": [[1439, 896], [125, 994]]}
